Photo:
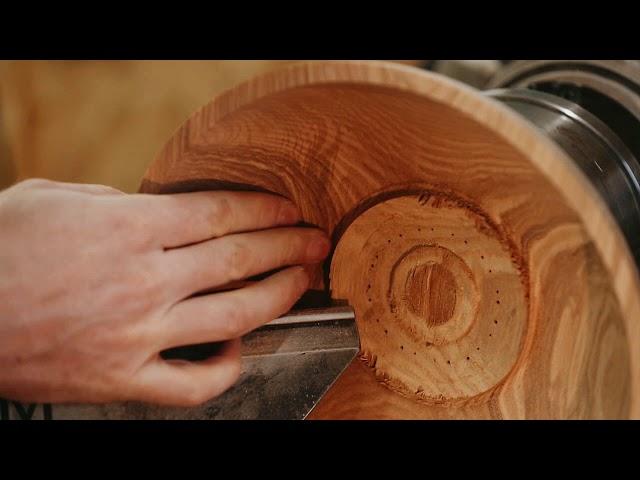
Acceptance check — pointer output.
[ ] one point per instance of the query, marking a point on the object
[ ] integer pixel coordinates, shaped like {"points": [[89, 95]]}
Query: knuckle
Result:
{"points": [[277, 208], [237, 260], [151, 285], [129, 226], [220, 213], [122, 221], [144, 290], [294, 246], [109, 190], [294, 286], [141, 239], [234, 320], [36, 183], [297, 246]]}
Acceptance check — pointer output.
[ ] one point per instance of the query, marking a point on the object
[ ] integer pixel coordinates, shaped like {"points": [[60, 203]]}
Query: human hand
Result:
{"points": [[94, 283]]}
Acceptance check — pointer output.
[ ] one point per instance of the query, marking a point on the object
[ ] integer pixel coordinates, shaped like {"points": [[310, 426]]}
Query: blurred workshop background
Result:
{"points": [[104, 121]]}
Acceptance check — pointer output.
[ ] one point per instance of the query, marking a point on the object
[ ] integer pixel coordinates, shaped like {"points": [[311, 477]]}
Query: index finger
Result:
{"points": [[185, 218]]}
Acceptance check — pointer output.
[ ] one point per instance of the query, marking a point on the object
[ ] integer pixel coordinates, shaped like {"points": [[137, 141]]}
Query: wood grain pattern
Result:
{"points": [[488, 278]]}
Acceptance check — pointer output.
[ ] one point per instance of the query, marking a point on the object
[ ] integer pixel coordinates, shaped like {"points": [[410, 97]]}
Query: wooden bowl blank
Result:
{"points": [[488, 277]]}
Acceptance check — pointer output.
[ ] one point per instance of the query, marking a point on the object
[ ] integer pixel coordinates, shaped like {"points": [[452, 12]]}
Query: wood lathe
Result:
{"points": [[487, 240]]}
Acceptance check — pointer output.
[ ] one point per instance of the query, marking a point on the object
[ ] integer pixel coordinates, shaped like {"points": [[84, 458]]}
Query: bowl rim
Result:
{"points": [[544, 155]]}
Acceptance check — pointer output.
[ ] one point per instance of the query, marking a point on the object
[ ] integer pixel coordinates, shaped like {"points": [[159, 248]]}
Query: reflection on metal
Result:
{"points": [[591, 109], [617, 79]]}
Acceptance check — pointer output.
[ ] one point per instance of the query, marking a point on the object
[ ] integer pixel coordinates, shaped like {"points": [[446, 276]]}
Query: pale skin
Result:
{"points": [[95, 283]]}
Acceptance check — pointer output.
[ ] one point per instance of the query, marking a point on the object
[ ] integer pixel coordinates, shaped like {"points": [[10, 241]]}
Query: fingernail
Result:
{"points": [[289, 214], [318, 248]]}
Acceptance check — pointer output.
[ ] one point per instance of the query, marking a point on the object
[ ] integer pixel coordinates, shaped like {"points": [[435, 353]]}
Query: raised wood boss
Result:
{"points": [[488, 277]]}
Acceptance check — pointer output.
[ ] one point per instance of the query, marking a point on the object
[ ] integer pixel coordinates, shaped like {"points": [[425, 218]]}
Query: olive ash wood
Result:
{"points": [[488, 277]]}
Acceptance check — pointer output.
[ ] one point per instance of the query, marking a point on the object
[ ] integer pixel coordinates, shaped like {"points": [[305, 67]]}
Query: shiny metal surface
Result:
{"points": [[597, 150], [619, 79], [315, 315], [608, 89]]}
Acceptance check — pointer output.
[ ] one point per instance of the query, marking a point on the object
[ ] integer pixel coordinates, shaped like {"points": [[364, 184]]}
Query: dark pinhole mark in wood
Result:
{"points": [[468, 358], [482, 257], [401, 347], [498, 302], [495, 321], [449, 362]]}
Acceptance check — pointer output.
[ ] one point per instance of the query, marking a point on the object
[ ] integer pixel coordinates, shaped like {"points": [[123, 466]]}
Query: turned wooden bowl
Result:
{"points": [[488, 276]]}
